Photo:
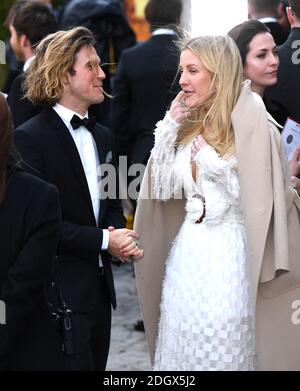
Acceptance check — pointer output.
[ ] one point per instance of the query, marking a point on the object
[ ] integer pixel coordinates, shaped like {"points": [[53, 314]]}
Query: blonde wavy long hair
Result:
{"points": [[55, 57], [220, 56]]}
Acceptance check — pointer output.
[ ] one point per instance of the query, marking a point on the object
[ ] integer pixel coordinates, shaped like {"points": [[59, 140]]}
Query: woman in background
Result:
{"points": [[260, 64], [29, 228]]}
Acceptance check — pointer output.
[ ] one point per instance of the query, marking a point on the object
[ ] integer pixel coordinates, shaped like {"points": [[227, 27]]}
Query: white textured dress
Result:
{"points": [[206, 320]]}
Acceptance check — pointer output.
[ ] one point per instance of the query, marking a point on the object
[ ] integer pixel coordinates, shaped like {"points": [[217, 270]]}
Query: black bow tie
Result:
{"points": [[88, 123]]}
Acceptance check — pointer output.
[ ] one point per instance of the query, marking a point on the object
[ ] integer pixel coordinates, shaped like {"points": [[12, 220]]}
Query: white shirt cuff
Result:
{"points": [[105, 239]]}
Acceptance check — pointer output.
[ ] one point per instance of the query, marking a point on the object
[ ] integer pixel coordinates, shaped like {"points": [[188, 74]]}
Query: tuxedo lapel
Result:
{"points": [[100, 143], [66, 140], [101, 148]]}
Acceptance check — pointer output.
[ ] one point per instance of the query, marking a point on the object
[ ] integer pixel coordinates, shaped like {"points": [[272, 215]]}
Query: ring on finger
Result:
{"points": [[183, 103]]}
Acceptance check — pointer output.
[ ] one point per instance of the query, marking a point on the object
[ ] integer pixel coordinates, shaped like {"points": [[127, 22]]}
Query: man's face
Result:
{"points": [[84, 87], [15, 42]]}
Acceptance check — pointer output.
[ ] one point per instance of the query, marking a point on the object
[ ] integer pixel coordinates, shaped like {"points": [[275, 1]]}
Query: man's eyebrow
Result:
{"points": [[93, 62]]}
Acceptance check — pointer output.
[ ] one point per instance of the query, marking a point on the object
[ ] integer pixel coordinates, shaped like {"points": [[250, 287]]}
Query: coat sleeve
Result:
{"points": [[23, 289], [72, 236], [282, 243], [292, 197]]}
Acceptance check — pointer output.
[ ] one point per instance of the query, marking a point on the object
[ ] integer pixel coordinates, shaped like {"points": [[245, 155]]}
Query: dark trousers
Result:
{"points": [[92, 335]]}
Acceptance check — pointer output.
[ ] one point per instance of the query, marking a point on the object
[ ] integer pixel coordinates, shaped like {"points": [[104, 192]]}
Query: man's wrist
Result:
{"points": [[105, 239]]}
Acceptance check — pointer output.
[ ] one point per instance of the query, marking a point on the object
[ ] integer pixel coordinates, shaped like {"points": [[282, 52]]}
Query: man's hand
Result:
{"points": [[122, 244]]}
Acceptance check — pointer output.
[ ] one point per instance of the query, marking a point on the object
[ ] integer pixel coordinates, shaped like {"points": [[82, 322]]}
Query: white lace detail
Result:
{"points": [[163, 156], [206, 318], [215, 168]]}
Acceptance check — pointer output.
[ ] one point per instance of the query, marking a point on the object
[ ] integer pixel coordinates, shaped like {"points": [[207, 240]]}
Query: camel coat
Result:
{"points": [[271, 210]]}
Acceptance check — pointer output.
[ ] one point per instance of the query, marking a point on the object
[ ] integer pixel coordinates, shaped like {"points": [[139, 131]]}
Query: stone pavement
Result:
{"points": [[128, 348]]}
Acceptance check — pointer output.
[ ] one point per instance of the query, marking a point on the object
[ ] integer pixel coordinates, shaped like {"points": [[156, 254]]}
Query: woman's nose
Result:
{"points": [[182, 79], [274, 60]]}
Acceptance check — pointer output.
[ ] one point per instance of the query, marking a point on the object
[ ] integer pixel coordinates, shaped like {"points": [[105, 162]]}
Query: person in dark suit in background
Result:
{"points": [[30, 221], [68, 149], [28, 22], [283, 98], [143, 88], [144, 84], [266, 11]]}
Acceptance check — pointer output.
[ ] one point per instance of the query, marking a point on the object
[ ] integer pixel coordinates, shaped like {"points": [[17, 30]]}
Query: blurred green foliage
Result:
{"points": [[4, 7]]}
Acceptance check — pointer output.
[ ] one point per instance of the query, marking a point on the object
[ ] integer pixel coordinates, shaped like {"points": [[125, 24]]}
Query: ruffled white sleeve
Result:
{"points": [[216, 169], [163, 157]]}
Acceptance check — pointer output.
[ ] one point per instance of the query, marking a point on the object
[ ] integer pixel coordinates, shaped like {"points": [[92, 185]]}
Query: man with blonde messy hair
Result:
{"points": [[65, 147]]}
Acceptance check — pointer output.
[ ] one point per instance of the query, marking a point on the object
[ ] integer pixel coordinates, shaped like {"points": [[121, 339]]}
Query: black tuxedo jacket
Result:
{"points": [[29, 231], [282, 100], [22, 109], [49, 151], [143, 88]]}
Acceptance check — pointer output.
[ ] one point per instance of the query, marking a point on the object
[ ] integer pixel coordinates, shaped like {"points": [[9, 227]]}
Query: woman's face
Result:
{"points": [[195, 80], [262, 62]]}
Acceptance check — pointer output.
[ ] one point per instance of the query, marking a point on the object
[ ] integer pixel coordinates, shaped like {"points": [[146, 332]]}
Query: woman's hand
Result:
{"points": [[296, 183], [179, 109], [198, 144], [294, 163]]}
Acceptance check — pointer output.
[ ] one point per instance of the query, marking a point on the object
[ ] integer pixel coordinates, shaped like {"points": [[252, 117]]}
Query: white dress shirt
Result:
{"points": [[268, 19], [88, 153], [163, 31], [27, 63]]}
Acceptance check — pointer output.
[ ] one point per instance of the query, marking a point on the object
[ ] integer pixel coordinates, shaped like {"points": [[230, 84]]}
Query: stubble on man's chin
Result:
{"points": [[101, 98]]}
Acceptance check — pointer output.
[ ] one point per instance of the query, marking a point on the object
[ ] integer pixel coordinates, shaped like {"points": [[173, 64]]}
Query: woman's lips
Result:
{"points": [[188, 93], [274, 73]]}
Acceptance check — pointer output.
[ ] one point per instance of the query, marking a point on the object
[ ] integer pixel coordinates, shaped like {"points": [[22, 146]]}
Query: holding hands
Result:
{"points": [[123, 244]]}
